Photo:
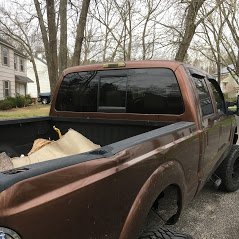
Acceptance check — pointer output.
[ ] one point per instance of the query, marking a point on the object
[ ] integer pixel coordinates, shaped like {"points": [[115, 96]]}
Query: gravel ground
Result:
{"points": [[211, 215]]}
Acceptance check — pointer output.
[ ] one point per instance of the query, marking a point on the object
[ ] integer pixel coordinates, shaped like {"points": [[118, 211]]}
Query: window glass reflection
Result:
{"points": [[204, 96], [154, 91], [78, 92], [113, 91], [145, 91]]}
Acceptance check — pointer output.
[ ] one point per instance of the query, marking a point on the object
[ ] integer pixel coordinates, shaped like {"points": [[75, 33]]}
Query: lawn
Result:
{"points": [[30, 111]]}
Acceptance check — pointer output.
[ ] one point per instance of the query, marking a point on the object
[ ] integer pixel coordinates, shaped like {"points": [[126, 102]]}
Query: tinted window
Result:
{"points": [[112, 91], [204, 96], [78, 92], [147, 91], [218, 96], [154, 91]]}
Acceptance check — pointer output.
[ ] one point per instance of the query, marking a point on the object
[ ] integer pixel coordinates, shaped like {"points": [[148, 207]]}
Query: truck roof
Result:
{"points": [[128, 65]]}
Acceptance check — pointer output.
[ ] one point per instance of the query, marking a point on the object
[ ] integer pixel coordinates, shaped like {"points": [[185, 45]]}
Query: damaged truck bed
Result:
{"points": [[163, 129]]}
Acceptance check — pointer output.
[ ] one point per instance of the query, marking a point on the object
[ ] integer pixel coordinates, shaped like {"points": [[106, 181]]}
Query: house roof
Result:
{"points": [[6, 43], [19, 53], [23, 79], [224, 70], [41, 60]]}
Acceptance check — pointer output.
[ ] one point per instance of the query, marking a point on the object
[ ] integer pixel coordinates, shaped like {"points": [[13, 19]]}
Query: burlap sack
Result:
{"points": [[69, 144], [38, 144], [5, 162]]}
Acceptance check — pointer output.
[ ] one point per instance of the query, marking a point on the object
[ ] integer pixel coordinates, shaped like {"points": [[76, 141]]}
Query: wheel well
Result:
{"points": [[235, 137], [166, 208]]}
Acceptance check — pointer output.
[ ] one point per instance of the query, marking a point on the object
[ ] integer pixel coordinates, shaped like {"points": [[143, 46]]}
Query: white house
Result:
{"points": [[42, 74], [229, 83], [13, 72]]}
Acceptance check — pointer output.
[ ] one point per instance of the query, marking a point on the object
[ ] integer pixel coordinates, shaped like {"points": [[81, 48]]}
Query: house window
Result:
{"points": [[20, 89], [22, 68], [6, 88], [5, 56], [15, 62]]}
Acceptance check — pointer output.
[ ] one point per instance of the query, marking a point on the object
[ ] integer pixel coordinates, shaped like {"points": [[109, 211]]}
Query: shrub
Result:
{"points": [[20, 101], [5, 105], [28, 100], [13, 102]]}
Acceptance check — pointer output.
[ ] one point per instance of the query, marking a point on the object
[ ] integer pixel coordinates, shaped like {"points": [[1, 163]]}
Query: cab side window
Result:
{"points": [[204, 96], [218, 96]]}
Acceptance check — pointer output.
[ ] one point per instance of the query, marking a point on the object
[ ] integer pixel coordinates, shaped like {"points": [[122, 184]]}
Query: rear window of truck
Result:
{"points": [[144, 91]]}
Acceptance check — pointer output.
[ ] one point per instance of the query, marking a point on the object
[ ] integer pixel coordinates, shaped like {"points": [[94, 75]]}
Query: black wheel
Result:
{"points": [[228, 171], [44, 101], [163, 233]]}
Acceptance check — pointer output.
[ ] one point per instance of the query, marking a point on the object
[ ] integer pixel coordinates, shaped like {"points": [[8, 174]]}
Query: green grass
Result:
{"points": [[26, 112]]}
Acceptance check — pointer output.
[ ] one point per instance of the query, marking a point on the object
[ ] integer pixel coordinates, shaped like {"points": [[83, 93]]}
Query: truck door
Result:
{"points": [[210, 129], [222, 117]]}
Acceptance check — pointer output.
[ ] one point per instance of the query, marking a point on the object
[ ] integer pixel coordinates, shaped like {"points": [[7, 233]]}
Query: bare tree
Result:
{"points": [[191, 23], [127, 12], [49, 37], [153, 11], [21, 33], [107, 16], [190, 28], [213, 28], [80, 32], [104, 19], [63, 35], [230, 11]]}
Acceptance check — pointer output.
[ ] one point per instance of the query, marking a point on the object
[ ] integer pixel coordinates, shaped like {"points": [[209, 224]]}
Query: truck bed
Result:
{"points": [[18, 135], [113, 135]]}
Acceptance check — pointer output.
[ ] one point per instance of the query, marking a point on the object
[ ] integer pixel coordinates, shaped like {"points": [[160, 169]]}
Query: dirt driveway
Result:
{"points": [[211, 215]]}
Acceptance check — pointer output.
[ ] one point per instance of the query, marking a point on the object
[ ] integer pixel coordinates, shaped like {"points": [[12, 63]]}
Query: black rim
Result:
{"points": [[235, 173]]}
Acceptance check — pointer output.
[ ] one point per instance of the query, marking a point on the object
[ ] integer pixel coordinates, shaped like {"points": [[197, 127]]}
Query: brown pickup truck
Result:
{"points": [[164, 130]]}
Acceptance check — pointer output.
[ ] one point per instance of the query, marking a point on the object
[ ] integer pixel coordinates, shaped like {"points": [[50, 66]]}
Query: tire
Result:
{"points": [[44, 101], [163, 233], [228, 171]]}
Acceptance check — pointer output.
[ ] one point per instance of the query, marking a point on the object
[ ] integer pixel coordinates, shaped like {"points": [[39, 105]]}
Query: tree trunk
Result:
{"points": [[35, 73], [219, 72], [237, 64], [52, 32], [49, 40], [129, 29], [42, 27], [190, 28], [63, 36], [143, 37], [80, 33]]}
